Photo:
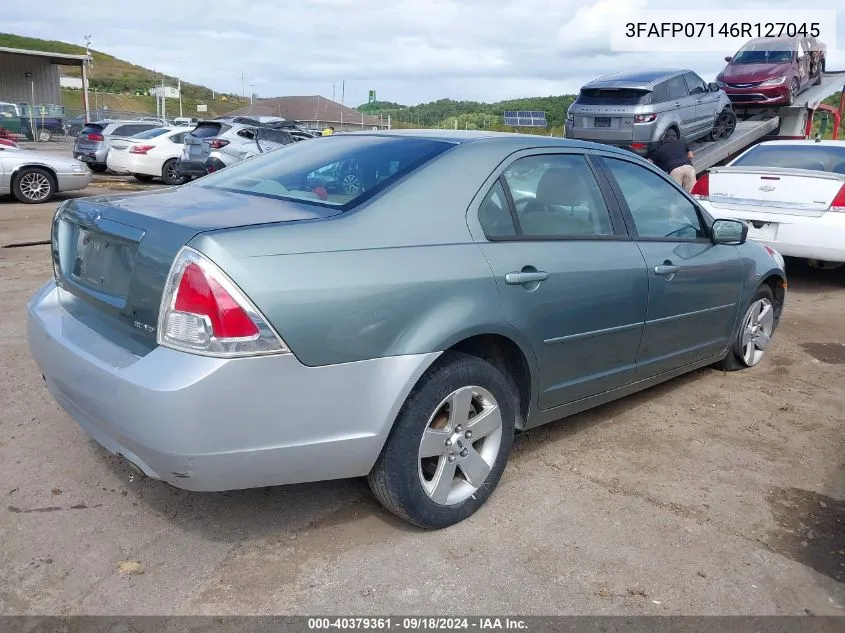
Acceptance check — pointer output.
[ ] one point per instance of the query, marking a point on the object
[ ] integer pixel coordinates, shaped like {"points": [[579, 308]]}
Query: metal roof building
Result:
{"points": [[33, 76]]}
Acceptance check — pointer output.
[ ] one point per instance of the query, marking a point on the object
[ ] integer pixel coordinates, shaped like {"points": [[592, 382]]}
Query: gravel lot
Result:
{"points": [[711, 494]]}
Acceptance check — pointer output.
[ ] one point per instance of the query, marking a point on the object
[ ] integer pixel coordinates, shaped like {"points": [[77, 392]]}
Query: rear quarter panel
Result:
{"points": [[399, 275]]}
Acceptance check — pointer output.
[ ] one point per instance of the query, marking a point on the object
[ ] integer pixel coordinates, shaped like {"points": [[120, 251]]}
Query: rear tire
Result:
{"points": [[143, 177], [33, 185], [754, 334], [169, 174], [97, 168], [449, 445], [671, 134]]}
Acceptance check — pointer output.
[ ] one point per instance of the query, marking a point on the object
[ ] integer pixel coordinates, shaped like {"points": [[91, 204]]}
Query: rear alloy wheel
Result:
{"points": [[143, 177], [449, 446], [170, 175], [670, 135], [724, 126], [33, 185], [755, 332]]}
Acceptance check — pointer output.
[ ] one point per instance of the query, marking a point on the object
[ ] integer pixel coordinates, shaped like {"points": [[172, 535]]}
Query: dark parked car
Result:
{"points": [[244, 330], [772, 71]]}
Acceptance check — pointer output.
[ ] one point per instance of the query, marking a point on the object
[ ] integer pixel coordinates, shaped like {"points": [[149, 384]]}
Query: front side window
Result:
{"points": [[557, 195], [337, 171], [695, 84], [658, 209]]}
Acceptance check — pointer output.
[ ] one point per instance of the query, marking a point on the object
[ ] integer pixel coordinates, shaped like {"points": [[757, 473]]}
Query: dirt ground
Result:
{"points": [[711, 494]]}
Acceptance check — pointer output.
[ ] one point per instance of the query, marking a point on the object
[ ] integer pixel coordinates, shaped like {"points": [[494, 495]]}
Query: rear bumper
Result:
{"points": [[209, 424], [821, 238], [191, 168], [90, 156]]}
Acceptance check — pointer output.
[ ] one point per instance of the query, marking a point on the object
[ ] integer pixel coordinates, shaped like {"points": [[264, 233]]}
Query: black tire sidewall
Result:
{"points": [[180, 180], [16, 186], [398, 463]]}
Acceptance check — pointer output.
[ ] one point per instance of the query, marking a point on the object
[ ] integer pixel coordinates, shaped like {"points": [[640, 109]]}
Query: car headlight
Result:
{"points": [[78, 167], [775, 81]]}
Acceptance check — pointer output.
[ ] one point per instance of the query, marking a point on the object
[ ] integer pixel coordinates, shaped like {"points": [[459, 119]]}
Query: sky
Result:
{"points": [[408, 51]]}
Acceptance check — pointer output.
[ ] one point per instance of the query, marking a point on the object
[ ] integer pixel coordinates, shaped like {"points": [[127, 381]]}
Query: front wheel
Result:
{"points": [[794, 87], [449, 445], [754, 335], [724, 126]]}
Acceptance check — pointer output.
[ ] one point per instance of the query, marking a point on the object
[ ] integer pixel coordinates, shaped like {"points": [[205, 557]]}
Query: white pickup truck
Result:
{"points": [[791, 194]]}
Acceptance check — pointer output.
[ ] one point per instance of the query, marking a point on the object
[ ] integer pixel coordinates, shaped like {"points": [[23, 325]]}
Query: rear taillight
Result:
{"points": [[645, 118], [838, 204], [204, 312], [140, 149], [701, 189], [638, 146], [95, 137], [218, 143]]}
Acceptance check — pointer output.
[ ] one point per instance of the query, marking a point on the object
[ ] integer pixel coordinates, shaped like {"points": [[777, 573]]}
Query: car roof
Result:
{"points": [[636, 78], [460, 137]]}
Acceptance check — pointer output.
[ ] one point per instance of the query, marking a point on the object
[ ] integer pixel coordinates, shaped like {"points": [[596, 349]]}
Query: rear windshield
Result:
{"points": [[614, 96], [156, 131], [92, 128], [335, 171], [816, 157], [764, 53], [207, 130]]}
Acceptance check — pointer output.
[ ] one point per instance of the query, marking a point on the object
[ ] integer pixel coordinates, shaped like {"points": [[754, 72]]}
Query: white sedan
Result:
{"points": [[150, 154], [790, 193]]}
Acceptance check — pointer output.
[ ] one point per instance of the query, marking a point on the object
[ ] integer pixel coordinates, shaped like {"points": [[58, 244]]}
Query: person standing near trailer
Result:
{"points": [[675, 158]]}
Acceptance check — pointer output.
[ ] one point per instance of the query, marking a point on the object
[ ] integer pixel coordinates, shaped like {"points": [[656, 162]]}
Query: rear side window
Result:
{"points": [[156, 131], [209, 130], [816, 157], [614, 96], [494, 214], [339, 171], [131, 129], [179, 139]]}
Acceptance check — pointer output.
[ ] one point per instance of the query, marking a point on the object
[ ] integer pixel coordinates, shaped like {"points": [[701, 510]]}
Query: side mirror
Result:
{"points": [[714, 87], [728, 59], [730, 232]]}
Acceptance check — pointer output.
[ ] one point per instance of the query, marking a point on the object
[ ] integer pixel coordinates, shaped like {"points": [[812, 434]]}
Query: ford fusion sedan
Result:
{"points": [[772, 71], [254, 328]]}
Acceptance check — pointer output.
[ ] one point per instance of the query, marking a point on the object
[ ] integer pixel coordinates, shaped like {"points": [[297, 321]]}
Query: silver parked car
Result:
{"points": [[93, 141], [34, 177], [637, 109], [214, 145]]}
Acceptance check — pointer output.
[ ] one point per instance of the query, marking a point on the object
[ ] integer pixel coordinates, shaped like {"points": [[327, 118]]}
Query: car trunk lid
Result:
{"points": [[112, 254], [796, 192], [198, 142], [609, 109]]}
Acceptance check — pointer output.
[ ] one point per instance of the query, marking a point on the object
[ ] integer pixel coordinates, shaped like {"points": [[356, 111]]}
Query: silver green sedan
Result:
{"points": [[262, 326]]}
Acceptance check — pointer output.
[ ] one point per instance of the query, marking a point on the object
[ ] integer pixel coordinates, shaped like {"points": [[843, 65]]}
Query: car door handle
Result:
{"points": [[666, 269], [517, 279], [677, 104]]}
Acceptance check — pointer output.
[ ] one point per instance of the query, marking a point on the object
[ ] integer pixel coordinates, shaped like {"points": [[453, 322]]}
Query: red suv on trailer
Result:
{"points": [[772, 71]]}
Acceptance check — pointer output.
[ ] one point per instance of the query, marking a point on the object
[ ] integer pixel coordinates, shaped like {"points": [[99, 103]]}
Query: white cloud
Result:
{"points": [[408, 50]]}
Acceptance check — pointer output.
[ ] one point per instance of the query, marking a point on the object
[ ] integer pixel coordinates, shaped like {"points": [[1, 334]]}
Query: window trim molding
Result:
{"points": [[626, 211]]}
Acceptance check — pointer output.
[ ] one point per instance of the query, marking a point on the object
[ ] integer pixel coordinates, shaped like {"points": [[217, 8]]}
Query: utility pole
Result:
{"points": [[342, 99], [85, 67], [179, 80], [243, 86]]}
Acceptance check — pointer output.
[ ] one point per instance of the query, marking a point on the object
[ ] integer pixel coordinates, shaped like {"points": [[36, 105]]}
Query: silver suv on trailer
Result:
{"points": [[94, 140], [637, 109]]}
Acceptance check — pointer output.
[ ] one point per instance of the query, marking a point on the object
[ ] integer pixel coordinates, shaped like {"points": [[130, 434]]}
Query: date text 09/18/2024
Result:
{"points": [[416, 623], [725, 29]]}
